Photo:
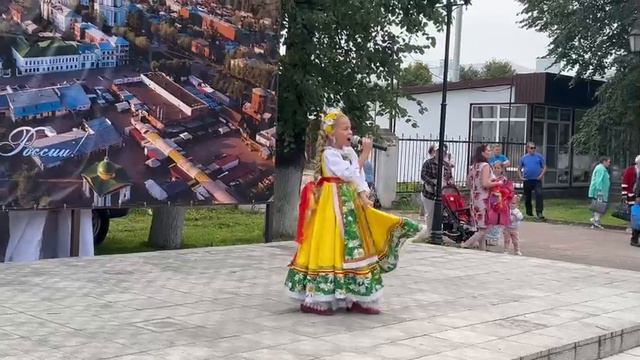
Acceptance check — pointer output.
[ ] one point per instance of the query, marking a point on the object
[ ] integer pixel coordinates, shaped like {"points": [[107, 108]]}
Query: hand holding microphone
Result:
{"points": [[357, 140]]}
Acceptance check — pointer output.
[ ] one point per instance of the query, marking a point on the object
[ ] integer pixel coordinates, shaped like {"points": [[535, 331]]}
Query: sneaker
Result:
{"points": [[541, 217], [518, 253]]}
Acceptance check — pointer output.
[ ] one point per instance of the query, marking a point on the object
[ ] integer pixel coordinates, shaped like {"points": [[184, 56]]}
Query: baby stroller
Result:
{"points": [[456, 216]]}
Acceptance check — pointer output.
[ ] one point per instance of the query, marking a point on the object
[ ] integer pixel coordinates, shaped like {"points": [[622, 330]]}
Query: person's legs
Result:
{"points": [[527, 189], [515, 239], [428, 206], [539, 199], [634, 237], [507, 239]]}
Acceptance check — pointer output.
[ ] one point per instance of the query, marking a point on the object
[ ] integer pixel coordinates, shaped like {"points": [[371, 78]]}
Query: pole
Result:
{"points": [[436, 231], [457, 39], [506, 145]]}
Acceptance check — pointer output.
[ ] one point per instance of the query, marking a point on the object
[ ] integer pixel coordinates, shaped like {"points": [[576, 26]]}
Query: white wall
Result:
{"points": [[458, 105], [412, 155]]}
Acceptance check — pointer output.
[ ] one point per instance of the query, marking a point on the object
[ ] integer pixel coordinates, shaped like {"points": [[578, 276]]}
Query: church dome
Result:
{"points": [[106, 169]]}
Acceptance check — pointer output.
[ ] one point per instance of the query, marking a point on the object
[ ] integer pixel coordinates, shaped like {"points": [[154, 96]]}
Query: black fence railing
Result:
{"points": [[413, 153]]}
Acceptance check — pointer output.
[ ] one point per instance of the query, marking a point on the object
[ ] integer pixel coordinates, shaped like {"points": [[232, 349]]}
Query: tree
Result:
{"points": [[185, 42], [166, 227], [494, 69], [591, 38], [142, 43], [417, 73], [135, 21], [338, 54], [469, 73]]}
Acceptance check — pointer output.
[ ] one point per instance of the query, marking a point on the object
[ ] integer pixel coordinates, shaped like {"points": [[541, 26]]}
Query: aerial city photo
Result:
{"points": [[118, 103]]}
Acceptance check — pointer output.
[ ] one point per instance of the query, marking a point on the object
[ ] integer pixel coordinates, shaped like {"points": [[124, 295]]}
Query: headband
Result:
{"points": [[329, 121]]}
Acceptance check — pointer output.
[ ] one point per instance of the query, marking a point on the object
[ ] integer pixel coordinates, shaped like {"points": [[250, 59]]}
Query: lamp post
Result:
{"points": [[436, 229]]}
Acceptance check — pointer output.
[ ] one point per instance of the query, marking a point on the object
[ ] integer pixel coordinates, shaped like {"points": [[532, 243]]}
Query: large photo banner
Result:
{"points": [[127, 103]]}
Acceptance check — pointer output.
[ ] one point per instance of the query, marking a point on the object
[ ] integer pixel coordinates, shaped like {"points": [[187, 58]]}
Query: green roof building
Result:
{"points": [[107, 183]]}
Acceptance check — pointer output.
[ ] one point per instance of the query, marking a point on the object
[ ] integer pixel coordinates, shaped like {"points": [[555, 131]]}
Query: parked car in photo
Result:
{"points": [[101, 219]]}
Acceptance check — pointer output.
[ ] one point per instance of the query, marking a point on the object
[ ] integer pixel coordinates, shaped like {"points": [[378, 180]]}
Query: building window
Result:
{"points": [[492, 123], [484, 112]]}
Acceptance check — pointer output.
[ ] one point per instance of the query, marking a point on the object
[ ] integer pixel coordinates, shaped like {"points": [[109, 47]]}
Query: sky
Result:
{"points": [[490, 30]]}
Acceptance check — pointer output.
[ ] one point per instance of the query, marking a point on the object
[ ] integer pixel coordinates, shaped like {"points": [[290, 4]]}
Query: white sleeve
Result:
{"points": [[346, 170]]}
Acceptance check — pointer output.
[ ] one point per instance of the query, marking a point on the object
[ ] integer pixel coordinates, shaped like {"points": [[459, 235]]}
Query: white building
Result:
{"points": [[46, 56], [114, 49], [544, 109], [174, 93], [56, 55], [59, 14], [63, 17], [114, 12]]}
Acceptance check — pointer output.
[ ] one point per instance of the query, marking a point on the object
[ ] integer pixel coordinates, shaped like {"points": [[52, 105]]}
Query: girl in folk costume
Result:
{"points": [[344, 244]]}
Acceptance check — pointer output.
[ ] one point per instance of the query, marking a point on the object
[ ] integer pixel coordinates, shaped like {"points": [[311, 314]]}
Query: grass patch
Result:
{"points": [[576, 211], [568, 211], [203, 228]]}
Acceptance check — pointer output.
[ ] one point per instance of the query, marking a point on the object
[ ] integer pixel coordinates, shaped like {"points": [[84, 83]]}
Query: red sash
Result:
{"points": [[307, 202]]}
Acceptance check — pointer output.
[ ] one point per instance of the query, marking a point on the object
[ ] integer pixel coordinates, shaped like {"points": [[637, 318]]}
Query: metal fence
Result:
{"points": [[413, 153]]}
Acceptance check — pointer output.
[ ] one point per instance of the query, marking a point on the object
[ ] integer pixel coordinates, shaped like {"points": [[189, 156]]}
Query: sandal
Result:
{"points": [[310, 310], [357, 308]]}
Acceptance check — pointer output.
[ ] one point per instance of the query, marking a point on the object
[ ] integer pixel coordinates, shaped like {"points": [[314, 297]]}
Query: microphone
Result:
{"points": [[357, 140]]}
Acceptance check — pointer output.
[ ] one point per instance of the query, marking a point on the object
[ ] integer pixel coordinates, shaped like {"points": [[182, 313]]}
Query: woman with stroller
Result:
{"points": [[479, 182]]}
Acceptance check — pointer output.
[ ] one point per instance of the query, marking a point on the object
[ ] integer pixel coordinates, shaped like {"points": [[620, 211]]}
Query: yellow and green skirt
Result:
{"points": [[344, 247]]}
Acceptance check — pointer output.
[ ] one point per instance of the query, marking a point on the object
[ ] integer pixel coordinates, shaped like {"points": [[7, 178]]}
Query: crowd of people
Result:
{"points": [[493, 199]]}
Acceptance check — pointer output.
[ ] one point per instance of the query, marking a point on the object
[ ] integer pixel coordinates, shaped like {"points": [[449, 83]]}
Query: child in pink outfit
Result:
{"points": [[511, 234]]}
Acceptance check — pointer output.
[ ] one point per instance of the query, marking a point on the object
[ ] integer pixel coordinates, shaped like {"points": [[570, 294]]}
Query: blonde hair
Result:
{"points": [[326, 130]]}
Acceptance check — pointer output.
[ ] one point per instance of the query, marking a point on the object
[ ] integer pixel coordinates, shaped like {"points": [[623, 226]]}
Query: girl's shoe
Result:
{"points": [[518, 253], [311, 310], [357, 308]]}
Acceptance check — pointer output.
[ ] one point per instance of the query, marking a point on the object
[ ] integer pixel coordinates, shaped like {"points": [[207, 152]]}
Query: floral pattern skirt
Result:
{"points": [[346, 248]]}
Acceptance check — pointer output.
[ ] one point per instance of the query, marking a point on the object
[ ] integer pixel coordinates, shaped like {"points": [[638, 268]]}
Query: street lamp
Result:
{"points": [[436, 228], [634, 40]]}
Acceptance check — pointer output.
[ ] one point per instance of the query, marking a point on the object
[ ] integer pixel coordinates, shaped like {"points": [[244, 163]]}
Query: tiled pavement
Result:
{"points": [[229, 303], [633, 354]]}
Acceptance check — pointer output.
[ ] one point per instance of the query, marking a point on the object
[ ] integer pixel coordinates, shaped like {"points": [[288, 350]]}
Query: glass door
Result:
{"points": [[552, 135]]}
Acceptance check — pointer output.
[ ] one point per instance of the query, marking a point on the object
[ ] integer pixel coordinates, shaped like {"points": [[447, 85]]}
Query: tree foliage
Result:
{"points": [[494, 69], [591, 37], [342, 54], [469, 73], [417, 73]]}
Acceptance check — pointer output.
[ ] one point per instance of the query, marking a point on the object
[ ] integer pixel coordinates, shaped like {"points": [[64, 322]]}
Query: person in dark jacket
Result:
{"points": [[429, 176]]}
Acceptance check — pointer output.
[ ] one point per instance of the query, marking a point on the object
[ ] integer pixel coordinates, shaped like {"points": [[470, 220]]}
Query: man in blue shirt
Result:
{"points": [[532, 169]]}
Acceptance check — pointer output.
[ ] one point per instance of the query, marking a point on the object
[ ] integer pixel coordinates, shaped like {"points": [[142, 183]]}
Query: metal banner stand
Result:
{"points": [[75, 233]]}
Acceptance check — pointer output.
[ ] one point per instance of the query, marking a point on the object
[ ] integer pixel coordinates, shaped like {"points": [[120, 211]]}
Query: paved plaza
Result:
{"points": [[229, 303]]}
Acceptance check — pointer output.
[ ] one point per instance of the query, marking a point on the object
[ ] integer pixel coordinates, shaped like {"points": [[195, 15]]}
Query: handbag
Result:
{"points": [[622, 212], [598, 205]]}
